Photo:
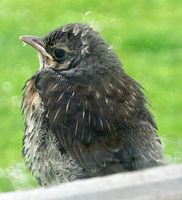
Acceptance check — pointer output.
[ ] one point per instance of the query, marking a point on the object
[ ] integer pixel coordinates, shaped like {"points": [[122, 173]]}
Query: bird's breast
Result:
{"points": [[31, 100], [40, 147]]}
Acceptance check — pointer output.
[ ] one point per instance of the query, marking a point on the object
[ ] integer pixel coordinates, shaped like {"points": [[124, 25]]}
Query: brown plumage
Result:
{"points": [[84, 116]]}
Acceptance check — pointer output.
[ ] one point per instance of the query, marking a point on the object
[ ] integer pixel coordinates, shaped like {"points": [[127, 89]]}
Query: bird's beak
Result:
{"points": [[35, 42]]}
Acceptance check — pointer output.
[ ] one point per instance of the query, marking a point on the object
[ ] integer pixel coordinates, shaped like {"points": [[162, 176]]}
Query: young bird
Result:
{"points": [[84, 117]]}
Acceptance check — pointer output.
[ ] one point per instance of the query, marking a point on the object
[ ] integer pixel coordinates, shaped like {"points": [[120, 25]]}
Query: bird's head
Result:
{"points": [[74, 49]]}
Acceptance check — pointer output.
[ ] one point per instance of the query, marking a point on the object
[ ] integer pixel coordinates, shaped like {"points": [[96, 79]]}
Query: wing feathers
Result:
{"points": [[88, 122]]}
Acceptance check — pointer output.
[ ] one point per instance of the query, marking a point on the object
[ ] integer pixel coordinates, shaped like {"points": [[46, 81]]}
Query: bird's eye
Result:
{"points": [[59, 53]]}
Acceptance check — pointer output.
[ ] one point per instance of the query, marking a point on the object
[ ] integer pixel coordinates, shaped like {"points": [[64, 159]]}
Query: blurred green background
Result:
{"points": [[146, 35]]}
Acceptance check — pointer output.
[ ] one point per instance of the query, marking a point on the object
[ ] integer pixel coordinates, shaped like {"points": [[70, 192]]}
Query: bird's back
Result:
{"points": [[85, 147]]}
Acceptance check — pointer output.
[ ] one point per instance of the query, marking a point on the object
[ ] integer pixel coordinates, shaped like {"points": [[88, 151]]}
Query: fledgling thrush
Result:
{"points": [[84, 117]]}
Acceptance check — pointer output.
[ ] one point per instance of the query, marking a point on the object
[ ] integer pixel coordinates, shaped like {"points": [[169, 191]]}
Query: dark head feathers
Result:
{"points": [[81, 36], [74, 29]]}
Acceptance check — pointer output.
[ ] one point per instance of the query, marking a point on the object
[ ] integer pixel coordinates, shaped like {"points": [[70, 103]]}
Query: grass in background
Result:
{"points": [[147, 37]]}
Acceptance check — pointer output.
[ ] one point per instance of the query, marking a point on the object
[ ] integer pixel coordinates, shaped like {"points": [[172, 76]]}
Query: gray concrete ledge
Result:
{"points": [[162, 183]]}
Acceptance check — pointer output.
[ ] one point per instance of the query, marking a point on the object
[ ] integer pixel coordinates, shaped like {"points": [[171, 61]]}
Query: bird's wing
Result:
{"points": [[83, 119]]}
